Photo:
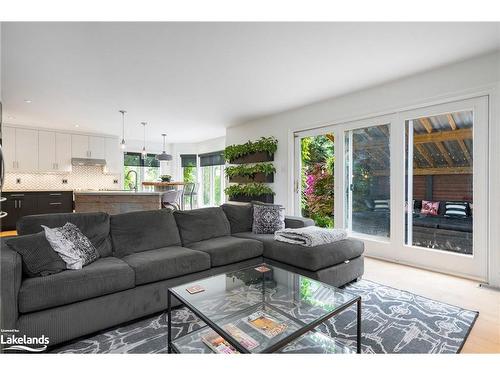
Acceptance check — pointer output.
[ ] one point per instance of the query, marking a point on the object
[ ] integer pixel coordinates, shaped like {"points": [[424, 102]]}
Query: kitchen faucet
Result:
{"points": [[126, 176]]}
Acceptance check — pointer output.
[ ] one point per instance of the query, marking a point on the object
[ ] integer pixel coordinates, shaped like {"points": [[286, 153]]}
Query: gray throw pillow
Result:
{"points": [[72, 245], [38, 257], [240, 216], [268, 218]]}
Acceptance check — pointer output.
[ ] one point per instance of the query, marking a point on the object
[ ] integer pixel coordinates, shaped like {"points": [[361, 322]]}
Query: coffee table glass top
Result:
{"points": [[262, 306]]}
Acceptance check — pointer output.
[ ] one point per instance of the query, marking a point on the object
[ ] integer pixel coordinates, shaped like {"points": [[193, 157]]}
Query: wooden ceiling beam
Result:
{"points": [[422, 151], [466, 152], [426, 124], [445, 154], [449, 135], [451, 120], [431, 171]]}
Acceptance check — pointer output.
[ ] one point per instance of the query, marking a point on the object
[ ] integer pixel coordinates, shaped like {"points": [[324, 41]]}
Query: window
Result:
{"points": [[212, 179], [439, 182], [188, 165], [368, 180], [146, 169]]}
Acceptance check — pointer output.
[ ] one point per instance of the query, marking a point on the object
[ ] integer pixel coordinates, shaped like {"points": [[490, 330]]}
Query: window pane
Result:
{"points": [[317, 179], [439, 182], [217, 185], [205, 175], [368, 175]]}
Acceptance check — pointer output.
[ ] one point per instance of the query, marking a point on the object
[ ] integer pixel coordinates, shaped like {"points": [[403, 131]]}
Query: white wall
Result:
{"points": [[469, 78]]}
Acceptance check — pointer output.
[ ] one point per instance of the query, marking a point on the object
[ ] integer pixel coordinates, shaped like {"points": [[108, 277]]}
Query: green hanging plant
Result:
{"points": [[250, 170], [264, 144], [251, 189]]}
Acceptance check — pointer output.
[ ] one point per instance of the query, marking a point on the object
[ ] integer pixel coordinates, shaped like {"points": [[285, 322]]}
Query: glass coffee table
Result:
{"points": [[261, 309]]}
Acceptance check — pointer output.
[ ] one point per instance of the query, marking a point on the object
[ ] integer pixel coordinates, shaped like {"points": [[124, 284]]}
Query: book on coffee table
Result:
{"points": [[265, 324]]}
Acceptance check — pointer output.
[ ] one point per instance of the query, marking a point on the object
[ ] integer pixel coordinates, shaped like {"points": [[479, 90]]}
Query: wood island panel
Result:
{"points": [[116, 204]]}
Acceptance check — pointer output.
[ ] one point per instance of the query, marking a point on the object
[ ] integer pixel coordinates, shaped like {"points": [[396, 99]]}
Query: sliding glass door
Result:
{"points": [[367, 175], [412, 185], [314, 189]]}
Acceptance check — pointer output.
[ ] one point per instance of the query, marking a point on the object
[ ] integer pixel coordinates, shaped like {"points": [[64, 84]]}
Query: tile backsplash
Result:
{"points": [[81, 178]]}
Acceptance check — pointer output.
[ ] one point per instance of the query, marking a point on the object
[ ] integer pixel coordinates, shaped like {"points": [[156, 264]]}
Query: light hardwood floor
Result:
{"points": [[485, 335]]}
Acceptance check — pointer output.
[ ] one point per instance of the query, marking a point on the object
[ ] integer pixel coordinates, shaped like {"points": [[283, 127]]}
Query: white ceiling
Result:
{"points": [[192, 80]]}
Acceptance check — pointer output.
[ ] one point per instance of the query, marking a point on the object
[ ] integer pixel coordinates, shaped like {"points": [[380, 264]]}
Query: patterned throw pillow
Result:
{"points": [[456, 209], [430, 208], [268, 218], [72, 245], [381, 205]]}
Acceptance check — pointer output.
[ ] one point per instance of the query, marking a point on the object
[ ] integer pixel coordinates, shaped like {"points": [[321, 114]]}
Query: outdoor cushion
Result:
{"points": [[166, 263], [202, 224], [309, 258], [94, 225], [456, 224], [228, 249], [133, 232], [240, 216], [104, 276]]}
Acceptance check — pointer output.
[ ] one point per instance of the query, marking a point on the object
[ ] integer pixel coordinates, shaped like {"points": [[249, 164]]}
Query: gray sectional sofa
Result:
{"points": [[141, 255]]}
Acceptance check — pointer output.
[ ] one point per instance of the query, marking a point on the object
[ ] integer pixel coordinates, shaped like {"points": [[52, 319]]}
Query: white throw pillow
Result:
{"points": [[72, 245]]}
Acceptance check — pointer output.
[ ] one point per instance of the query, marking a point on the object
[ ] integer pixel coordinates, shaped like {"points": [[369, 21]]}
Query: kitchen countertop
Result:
{"points": [[117, 192]]}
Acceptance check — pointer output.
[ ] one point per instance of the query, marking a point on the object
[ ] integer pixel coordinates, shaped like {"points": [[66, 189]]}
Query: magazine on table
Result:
{"points": [[219, 345], [265, 324]]}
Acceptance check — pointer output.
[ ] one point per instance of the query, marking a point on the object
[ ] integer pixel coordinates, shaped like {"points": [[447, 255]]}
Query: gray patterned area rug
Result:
{"points": [[393, 321]]}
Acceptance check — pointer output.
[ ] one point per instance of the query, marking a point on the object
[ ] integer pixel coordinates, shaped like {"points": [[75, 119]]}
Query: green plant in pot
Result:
{"points": [[251, 190], [268, 145], [166, 178], [250, 170]]}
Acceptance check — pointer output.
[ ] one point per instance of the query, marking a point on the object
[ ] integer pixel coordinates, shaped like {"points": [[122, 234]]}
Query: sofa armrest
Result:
{"points": [[298, 222], [11, 272]]}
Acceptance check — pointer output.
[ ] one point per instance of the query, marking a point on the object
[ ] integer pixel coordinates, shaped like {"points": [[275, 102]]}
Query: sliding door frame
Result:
{"points": [[394, 248]]}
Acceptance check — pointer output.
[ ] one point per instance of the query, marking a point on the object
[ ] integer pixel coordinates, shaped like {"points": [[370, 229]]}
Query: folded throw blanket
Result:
{"points": [[310, 236]]}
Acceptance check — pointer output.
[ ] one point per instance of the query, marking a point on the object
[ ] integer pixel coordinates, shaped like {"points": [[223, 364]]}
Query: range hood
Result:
{"points": [[88, 162]]}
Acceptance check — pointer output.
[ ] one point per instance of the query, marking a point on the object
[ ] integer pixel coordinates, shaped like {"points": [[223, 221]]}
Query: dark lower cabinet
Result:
{"points": [[19, 204]]}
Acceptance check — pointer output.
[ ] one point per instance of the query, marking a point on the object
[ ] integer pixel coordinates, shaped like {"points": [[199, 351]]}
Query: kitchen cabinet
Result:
{"points": [[47, 151], [20, 148], [23, 203], [63, 152], [113, 156], [84, 146], [96, 147], [54, 151], [79, 146], [9, 147]]}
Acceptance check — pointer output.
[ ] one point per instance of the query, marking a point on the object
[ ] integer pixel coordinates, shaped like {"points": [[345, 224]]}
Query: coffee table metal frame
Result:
{"points": [[278, 345]]}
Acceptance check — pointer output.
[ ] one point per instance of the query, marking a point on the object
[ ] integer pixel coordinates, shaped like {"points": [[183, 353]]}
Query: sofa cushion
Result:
{"points": [[268, 218], [202, 224], [166, 263], [39, 258], [104, 276], [240, 216], [134, 232], [228, 249], [94, 225], [309, 258]]}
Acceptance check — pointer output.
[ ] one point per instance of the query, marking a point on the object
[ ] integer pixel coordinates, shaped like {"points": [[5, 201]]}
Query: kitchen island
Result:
{"points": [[117, 202]]}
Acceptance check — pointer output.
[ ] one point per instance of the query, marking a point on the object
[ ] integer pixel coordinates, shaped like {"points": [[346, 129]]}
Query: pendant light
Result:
{"points": [[164, 156], [144, 153], [122, 143]]}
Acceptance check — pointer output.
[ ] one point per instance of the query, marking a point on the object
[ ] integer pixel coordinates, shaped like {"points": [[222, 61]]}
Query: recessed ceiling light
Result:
{"points": [[28, 101], [77, 126]]}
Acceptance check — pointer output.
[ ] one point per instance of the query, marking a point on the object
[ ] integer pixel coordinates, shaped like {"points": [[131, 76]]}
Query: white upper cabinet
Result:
{"points": [[79, 146], [114, 156], [63, 152], [47, 151], [9, 147], [96, 147], [32, 150], [20, 147]]}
